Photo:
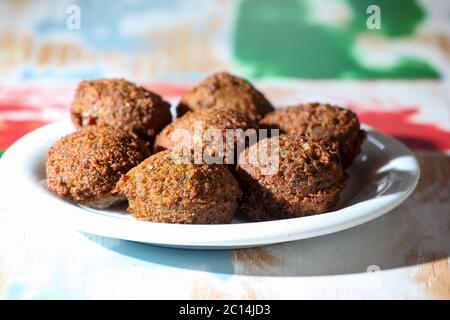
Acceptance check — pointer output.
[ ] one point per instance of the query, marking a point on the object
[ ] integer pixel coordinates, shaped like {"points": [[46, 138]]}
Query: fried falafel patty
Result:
{"points": [[122, 104], [306, 181], [85, 166], [320, 122], [225, 91], [167, 187], [209, 131]]}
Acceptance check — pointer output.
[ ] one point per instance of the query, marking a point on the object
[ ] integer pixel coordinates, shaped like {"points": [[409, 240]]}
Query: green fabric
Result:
{"points": [[278, 38]]}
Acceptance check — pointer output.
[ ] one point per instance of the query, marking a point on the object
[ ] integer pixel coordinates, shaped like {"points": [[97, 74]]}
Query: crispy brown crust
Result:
{"points": [[119, 103], [320, 122], [308, 181], [166, 188], [225, 91], [85, 166], [182, 130]]}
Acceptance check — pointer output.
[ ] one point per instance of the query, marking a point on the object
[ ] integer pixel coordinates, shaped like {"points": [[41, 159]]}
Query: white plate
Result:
{"points": [[382, 177]]}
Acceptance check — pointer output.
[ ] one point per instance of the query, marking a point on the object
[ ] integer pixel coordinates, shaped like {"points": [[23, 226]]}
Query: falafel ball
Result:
{"points": [[192, 129], [168, 187], [320, 122], [306, 180], [122, 104], [225, 91], [85, 166]]}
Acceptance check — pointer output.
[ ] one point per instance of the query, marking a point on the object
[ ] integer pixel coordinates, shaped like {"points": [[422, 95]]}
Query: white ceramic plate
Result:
{"points": [[382, 177]]}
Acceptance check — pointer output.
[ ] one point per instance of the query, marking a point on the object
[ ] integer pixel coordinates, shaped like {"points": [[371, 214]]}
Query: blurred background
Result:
{"points": [[373, 56]]}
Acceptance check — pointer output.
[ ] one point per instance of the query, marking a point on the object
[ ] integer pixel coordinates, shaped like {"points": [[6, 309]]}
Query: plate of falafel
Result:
{"points": [[229, 171]]}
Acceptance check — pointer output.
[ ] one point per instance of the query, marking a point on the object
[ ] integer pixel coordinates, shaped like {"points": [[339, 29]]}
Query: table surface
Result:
{"points": [[403, 254]]}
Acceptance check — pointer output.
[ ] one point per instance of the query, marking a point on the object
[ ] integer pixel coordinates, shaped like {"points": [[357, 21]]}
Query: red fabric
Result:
{"points": [[23, 109]]}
